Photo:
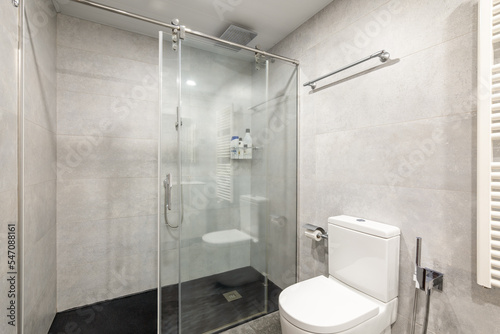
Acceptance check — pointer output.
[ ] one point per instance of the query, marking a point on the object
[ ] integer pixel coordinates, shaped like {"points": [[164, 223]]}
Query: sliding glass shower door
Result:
{"points": [[227, 214]]}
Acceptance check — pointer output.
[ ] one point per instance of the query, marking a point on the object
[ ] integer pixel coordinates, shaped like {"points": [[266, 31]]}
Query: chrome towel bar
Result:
{"points": [[383, 55]]}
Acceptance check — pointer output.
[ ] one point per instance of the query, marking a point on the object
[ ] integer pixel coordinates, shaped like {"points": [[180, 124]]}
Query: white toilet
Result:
{"points": [[361, 294]]}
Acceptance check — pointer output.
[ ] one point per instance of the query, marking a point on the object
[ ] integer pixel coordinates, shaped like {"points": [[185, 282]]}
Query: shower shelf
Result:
{"points": [[255, 148]]}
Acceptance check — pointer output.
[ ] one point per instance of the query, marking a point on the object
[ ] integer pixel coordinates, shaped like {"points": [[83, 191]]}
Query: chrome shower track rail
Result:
{"points": [[188, 31]]}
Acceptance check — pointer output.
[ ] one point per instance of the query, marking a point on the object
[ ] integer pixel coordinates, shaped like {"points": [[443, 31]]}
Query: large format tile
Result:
{"points": [[40, 20], [88, 241], [39, 211], [268, 324], [101, 157], [8, 59], [432, 153], [40, 64], [93, 199], [8, 150], [40, 94], [432, 214], [95, 116], [40, 276], [425, 23], [105, 278], [8, 208], [146, 90], [91, 36], [307, 157], [40, 154], [40, 317], [339, 14], [96, 65]]}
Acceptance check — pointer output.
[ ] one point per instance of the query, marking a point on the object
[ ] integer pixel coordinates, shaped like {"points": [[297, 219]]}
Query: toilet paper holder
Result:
{"points": [[314, 228]]}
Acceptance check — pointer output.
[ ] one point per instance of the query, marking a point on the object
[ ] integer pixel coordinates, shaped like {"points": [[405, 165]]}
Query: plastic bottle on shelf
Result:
{"points": [[247, 140], [233, 147], [245, 151], [240, 148]]}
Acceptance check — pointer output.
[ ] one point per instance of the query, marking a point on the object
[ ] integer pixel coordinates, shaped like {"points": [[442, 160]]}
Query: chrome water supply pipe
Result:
{"points": [[418, 254]]}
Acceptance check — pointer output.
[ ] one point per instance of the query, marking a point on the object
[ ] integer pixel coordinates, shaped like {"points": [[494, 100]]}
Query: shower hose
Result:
{"points": [[427, 307]]}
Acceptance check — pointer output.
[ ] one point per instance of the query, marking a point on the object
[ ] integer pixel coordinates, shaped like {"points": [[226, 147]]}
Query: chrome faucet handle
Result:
{"points": [[420, 278], [433, 280]]}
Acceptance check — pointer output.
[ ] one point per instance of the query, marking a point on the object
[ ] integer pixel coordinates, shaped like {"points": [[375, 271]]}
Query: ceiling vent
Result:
{"points": [[237, 35]]}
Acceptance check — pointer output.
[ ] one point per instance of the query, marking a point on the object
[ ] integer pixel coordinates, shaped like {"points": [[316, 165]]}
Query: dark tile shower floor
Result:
{"points": [[204, 308]]}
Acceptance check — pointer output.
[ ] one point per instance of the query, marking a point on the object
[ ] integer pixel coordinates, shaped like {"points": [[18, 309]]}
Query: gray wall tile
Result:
{"points": [[8, 57], [39, 289], [95, 115], [94, 199], [431, 153], [102, 157], [96, 65], [8, 150], [122, 89], [107, 162], [40, 154], [39, 210], [105, 278], [39, 273], [90, 36], [94, 255]]}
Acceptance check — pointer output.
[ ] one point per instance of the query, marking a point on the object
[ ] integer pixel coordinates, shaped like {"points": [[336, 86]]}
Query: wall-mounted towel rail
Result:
{"points": [[488, 124], [383, 55]]}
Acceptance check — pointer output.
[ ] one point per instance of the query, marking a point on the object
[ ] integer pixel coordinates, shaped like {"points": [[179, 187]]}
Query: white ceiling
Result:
{"points": [[273, 20]]}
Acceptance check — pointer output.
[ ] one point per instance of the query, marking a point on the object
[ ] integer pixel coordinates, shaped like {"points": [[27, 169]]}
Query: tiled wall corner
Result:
{"points": [[39, 174]]}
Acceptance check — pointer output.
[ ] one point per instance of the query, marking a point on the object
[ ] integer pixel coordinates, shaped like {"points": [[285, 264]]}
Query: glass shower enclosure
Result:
{"points": [[226, 222]]}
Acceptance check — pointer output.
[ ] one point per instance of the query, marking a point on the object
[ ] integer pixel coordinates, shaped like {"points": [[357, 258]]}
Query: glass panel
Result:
{"points": [[233, 206], [227, 209], [169, 164], [278, 138], [222, 275]]}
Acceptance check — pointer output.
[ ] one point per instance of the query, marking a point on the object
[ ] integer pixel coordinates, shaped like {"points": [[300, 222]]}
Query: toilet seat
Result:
{"points": [[324, 305]]}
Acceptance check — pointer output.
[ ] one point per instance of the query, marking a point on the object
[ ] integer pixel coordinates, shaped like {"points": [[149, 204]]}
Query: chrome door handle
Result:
{"points": [[167, 183]]}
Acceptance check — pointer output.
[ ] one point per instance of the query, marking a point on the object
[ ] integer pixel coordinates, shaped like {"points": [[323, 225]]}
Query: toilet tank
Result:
{"points": [[252, 214], [364, 255]]}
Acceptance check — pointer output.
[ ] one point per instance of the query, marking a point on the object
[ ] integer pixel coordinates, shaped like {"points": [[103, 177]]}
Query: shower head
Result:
{"points": [[237, 35]]}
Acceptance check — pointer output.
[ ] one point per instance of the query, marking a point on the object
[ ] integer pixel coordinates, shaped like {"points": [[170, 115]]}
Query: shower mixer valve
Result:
{"points": [[426, 279]]}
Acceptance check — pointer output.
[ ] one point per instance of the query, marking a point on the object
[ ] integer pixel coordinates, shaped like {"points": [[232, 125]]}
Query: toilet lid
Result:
{"points": [[225, 237], [323, 305]]}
